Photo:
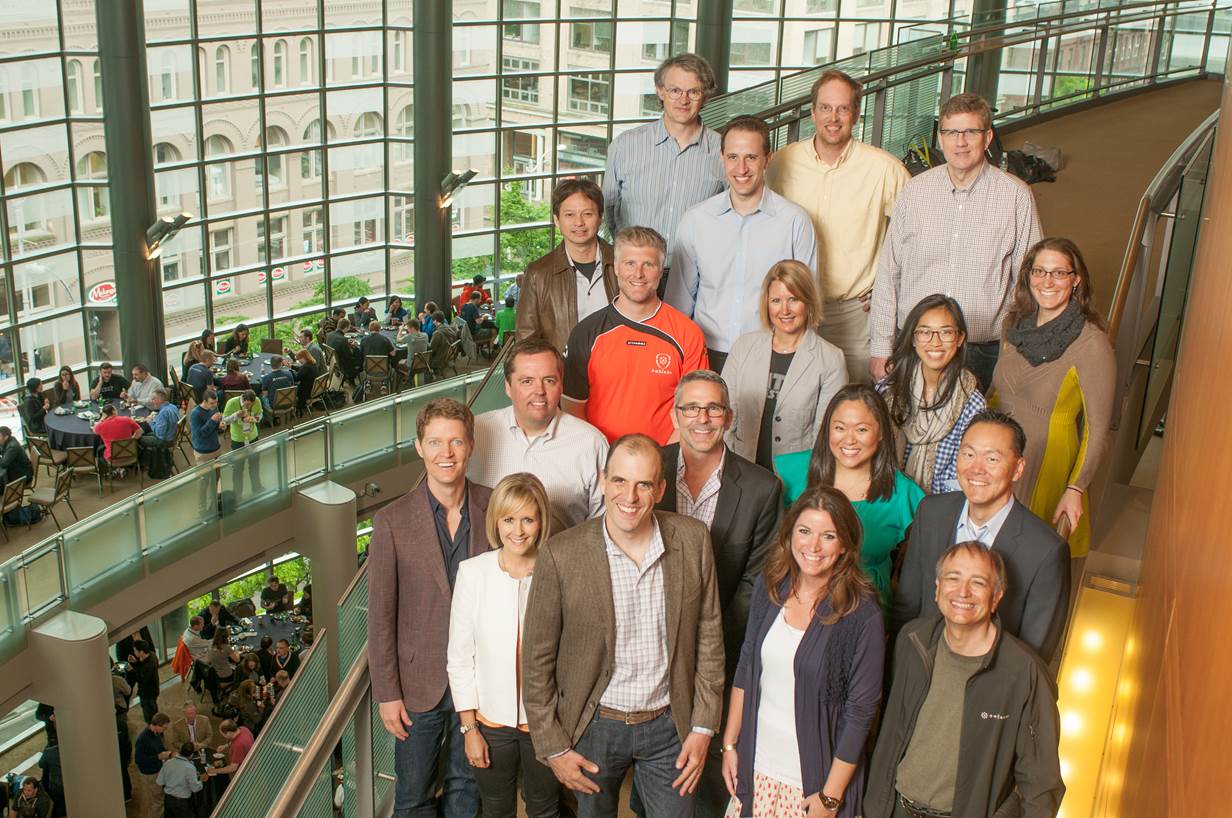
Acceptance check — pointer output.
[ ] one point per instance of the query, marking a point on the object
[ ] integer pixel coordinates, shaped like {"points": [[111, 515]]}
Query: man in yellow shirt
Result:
{"points": [[848, 188]]}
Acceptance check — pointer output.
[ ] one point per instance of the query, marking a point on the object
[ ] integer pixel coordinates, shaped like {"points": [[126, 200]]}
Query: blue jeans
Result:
{"points": [[982, 360], [415, 763], [651, 749]]}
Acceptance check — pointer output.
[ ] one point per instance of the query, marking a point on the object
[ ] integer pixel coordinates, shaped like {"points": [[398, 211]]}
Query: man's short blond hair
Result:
{"points": [[641, 237], [966, 104]]}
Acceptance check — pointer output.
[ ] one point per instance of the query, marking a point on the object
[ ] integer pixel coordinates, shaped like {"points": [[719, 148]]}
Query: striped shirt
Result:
{"points": [[966, 244], [703, 507], [640, 679], [722, 256], [651, 181]]}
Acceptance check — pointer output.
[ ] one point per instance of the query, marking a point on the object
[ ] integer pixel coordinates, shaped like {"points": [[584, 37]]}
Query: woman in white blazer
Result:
{"points": [[485, 640], [782, 378]]}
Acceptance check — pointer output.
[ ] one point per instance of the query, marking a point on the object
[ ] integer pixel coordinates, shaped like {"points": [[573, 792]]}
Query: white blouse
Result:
{"points": [[776, 752]]}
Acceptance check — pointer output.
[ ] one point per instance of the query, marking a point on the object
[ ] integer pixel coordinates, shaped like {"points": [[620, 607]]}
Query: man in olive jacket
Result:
{"points": [[622, 649], [971, 726]]}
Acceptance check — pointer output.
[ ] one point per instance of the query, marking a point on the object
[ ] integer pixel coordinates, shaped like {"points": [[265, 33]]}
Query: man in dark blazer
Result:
{"points": [[1036, 603], [417, 543], [622, 647], [575, 279]]}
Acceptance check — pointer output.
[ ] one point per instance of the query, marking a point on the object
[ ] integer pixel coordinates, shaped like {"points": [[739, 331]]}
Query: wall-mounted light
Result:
{"points": [[453, 183], [161, 232]]}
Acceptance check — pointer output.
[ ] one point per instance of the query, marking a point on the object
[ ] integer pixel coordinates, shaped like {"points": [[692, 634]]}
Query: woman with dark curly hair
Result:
{"points": [[809, 680]]}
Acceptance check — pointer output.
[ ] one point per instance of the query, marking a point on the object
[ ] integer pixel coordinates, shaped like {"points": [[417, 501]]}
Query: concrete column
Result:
{"points": [[325, 533], [433, 49], [130, 176], [984, 70], [714, 21], [70, 664]]}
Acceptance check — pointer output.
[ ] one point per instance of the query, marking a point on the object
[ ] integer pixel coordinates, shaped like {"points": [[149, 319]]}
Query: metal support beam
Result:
{"points": [[984, 70], [1041, 70], [1101, 56], [130, 174], [433, 149], [714, 21]]}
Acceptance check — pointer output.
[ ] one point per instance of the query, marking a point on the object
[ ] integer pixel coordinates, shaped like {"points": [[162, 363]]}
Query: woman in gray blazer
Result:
{"points": [[782, 378]]}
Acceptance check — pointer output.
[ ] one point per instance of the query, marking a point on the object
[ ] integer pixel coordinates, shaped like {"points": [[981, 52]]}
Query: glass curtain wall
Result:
{"points": [[57, 297], [286, 128], [540, 89]]}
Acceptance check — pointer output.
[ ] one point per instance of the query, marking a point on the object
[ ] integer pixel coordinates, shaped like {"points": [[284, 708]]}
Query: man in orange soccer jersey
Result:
{"points": [[622, 363]]}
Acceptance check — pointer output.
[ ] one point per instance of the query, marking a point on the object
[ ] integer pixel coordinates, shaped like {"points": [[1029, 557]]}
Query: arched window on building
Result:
{"points": [[165, 154], [92, 201], [218, 175], [98, 86], [222, 69], [72, 72], [25, 214], [272, 165], [29, 91], [307, 65], [404, 126], [280, 63]]}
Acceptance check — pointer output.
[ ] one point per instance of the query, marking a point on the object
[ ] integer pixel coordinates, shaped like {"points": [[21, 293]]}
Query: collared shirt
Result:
{"points": [[591, 294], [145, 751], [163, 423], [141, 391], [198, 647], [849, 203], [651, 181], [640, 678], [703, 507], [178, 777], [966, 244], [567, 458], [721, 258], [456, 548], [967, 530]]}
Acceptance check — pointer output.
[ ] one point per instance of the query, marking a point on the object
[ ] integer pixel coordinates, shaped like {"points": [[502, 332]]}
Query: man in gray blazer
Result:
{"points": [[1036, 604], [622, 648], [417, 543]]}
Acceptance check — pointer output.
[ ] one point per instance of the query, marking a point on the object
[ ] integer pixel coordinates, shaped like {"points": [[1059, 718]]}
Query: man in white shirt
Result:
{"points": [[141, 388], [532, 435]]}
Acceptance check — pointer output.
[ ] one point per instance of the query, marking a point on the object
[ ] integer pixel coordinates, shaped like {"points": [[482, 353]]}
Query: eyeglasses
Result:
{"points": [[694, 94], [841, 110], [923, 335], [1040, 273], [692, 410], [966, 133]]}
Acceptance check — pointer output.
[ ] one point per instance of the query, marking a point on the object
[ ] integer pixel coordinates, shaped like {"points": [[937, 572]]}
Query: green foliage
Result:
{"points": [[1064, 85], [518, 248], [345, 289], [292, 573]]}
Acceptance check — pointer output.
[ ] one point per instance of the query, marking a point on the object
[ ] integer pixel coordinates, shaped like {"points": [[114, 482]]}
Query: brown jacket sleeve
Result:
{"points": [[528, 310], [383, 613], [540, 642], [711, 660]]}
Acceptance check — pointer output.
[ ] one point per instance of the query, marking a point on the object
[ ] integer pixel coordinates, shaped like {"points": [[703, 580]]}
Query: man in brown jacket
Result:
{"points": [[622, 649], [575, 279], [417, 543]]}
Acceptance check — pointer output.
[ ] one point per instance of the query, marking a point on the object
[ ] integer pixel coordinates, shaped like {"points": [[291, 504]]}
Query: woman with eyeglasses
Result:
{"points": [[782, 377], [1057, 375], [931, 394]]}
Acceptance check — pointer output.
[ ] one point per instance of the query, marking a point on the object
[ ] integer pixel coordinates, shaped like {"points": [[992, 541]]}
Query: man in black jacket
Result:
{"points": [[740, 502], [971, 726], [14, 462], [346, 356], [143, 675], [1036, 602], [216, 614]]}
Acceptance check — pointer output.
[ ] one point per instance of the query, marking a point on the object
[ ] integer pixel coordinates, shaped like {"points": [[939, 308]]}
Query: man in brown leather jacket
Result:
{"points": [[575, 279]]}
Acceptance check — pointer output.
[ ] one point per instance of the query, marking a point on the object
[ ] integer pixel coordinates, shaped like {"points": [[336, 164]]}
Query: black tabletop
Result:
{"points": [[256, 364], [70, 431], [276, 626]]}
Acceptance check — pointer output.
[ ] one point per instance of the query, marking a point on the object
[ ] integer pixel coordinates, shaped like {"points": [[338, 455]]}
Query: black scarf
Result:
{"points": [[1048, 341]]}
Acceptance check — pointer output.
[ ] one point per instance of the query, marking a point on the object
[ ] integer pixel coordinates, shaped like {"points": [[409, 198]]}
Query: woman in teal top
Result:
{"points": [[853, 454]]}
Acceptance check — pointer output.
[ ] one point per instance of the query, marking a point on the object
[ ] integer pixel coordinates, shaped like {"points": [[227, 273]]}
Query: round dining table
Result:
{"points": [[255, 364], [71, 431]]}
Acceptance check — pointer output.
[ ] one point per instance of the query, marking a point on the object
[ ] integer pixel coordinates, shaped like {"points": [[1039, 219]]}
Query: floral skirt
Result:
{"points": [[771, 799]]}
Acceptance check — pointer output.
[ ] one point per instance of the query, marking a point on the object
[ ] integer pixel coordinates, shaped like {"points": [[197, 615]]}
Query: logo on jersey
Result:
{"points": [[662, 364]]}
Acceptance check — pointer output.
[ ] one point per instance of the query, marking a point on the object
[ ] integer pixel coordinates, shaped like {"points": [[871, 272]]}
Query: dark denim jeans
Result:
{"points": [[511, 757], [433, 733], [651, 749]]}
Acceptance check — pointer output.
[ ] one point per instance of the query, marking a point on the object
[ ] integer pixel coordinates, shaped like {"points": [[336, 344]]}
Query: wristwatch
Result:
{"points": [[466, 728], [830, 804]]}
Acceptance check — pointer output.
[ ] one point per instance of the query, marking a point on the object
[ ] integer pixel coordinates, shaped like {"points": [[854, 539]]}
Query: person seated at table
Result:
{"points": [[109, 385], [204, 424], [284, 659], [395, 313], [237, 341], [238, 744], [250, 668], [112, 427], [235, 377], [216, 616], [222, 659], [349, 363], [208, 340], [142, 386], [412, 336], [440, 341], [162, 422], [200, 374], [275, 598], [282, 681], [193, 729], [306, 638], [306, 374], [476, 286], [304, 606], [35, 408], [470, 312], [308, 342], [14, 462], [364, 313], [427, 318], [330, 323], [265, 653], [191, 356], [374, 343], [66, 390], [506, 319], [279, 377], [250, 709]]}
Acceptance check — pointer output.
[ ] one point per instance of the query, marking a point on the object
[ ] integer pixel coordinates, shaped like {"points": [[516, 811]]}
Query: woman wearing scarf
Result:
{"points": [[931, 394], [1056, 375]]}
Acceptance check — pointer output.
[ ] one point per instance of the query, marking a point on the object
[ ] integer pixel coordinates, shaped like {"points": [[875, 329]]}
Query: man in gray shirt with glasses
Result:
{"points": [[659, 170]]}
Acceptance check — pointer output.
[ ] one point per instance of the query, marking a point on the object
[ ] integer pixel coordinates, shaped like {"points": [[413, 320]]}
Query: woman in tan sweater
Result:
{"points": [[1056, 375]]}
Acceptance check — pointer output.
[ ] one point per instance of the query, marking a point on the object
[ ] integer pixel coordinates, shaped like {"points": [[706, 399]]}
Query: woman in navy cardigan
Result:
{"points": [[811, 667]]}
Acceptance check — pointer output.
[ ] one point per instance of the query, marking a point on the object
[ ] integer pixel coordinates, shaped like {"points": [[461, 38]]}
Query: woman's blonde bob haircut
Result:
{"points": [[510, 495], [798, 279]]}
